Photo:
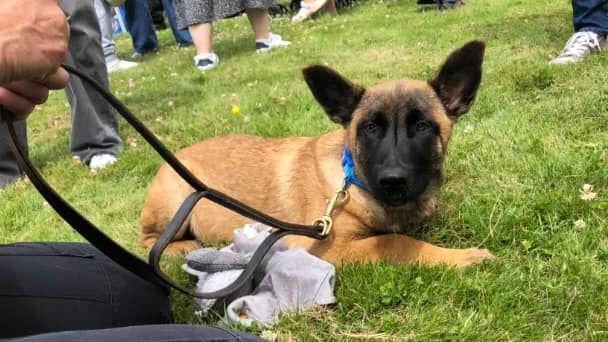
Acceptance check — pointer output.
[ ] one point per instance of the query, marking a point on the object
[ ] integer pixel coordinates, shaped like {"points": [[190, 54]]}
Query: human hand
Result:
{"points": [[33, 41], [20, 97]]}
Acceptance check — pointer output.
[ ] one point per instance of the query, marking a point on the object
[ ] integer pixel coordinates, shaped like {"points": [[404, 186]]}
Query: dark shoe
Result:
{"points": [[442, 4], [450, 4], [138, 56]]}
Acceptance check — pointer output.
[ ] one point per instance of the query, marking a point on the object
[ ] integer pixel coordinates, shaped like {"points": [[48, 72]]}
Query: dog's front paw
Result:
{"points": [[472, 256], [179, 248]]}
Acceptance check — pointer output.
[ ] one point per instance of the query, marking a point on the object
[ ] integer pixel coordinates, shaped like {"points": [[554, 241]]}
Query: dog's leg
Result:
{"points": [[165, 197], [178, 248], [175, 248], [403, 249], [151, 232]]}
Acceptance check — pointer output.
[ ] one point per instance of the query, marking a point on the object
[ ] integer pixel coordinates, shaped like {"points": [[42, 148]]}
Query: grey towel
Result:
{"points": [[211, 260], [289, 280]]}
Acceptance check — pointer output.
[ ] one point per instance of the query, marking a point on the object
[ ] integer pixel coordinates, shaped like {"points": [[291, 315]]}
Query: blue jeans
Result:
{"points": [[182, 37], [140, 25], [590, 15]]}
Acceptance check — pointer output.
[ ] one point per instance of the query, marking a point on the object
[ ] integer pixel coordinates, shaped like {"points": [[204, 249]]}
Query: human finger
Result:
{"points": [[32, 91], [57, 80], [19, 105]]}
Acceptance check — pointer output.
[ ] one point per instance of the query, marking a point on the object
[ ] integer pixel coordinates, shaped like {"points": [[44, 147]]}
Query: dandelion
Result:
{"points": [[469, 129], [235, 111]]}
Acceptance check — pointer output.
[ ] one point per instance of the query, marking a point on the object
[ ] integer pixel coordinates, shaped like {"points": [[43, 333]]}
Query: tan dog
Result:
{"points": [[398, 134]]}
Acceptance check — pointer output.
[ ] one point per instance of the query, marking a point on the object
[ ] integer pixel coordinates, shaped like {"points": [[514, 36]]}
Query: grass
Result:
{"points": [[536, 134]]}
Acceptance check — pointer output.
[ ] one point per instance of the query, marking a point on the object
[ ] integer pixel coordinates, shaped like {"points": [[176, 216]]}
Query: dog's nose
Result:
{"points": [[393, 179]]}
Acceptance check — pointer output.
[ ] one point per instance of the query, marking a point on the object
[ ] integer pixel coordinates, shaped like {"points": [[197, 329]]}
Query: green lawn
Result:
{"points": [[536, 134]]}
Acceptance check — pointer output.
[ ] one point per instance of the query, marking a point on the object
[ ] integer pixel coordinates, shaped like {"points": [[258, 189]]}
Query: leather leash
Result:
{"points": [[152, 271]]}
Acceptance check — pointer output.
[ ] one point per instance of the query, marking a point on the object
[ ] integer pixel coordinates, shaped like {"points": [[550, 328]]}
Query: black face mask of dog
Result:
{"points": [[398, 131]]}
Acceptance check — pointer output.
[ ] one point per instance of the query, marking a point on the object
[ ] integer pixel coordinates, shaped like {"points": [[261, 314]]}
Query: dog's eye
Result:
{"points": [[370, 128], [422, 126]]}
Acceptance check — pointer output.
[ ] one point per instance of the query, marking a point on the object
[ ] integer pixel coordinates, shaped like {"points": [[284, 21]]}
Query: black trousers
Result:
{"points": [[160, 333], [52, 287]]}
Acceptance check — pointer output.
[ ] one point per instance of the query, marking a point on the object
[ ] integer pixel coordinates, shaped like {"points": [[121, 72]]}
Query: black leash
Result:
{"points": [[152, 271]]}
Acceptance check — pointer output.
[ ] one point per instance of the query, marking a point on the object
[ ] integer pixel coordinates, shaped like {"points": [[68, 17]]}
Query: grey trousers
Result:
{"points": [[94, 122], [104, 16]]}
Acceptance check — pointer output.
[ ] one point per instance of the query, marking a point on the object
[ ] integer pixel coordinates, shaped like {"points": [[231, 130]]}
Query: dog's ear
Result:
{"points": [[459, 77], [337, 95]]}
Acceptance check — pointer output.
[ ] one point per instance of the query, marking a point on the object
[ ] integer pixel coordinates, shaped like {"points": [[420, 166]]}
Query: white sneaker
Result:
{"points": [[307, 9], [120, 65], [579, 46], [206, 61], [100, 161], [273, 41]]}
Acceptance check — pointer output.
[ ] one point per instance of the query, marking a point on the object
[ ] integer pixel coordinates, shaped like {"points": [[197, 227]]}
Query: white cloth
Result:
{"points": [[288, 280]]}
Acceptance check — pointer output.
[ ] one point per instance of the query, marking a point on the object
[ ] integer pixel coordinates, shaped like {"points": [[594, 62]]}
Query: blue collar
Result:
{"points": [[349, 170]]}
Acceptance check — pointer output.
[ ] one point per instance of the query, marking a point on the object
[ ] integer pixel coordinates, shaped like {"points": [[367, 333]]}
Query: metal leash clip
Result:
{"points": [[338, 200]]}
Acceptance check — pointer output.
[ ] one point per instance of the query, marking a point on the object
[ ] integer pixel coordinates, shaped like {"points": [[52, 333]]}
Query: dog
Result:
{"points": [[397, 134]]}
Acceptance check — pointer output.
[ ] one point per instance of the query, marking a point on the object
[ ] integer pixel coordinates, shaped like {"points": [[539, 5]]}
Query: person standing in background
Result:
{"points": [[310, 7], [140, 26], [590, 19], [198, 16], [104, 12]]}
